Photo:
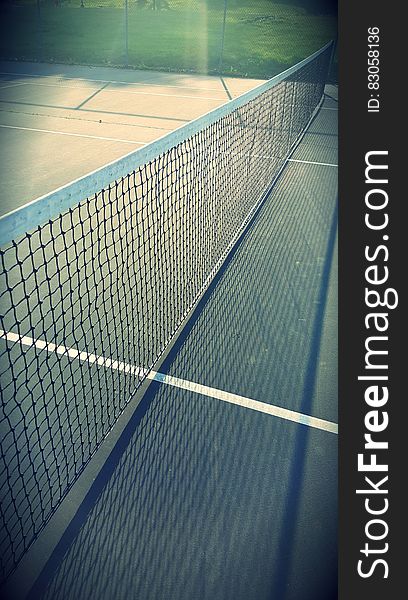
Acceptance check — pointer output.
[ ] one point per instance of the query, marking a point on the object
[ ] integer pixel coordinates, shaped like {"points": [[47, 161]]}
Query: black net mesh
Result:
{"points": [[90, 299]]}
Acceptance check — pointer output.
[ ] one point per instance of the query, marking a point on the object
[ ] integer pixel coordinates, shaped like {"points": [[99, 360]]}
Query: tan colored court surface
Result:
{"points": [[60, 122]]}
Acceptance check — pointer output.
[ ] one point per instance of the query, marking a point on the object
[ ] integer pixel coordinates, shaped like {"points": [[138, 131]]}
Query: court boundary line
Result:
{"points": [[95, 110], [72, 116], [112, 81], [81, 135], [312, 162], [197, 388], [104, 88], [95, 93], [226, 90], [245, 402], [10, 85]]}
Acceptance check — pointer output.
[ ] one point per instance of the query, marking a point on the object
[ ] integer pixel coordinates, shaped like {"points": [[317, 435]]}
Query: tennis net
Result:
{"points": [[97, 277]]}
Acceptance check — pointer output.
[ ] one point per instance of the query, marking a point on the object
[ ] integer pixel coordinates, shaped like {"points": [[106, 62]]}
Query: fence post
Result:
{"points": [[126, 34], [39, 34], [220, 64]]}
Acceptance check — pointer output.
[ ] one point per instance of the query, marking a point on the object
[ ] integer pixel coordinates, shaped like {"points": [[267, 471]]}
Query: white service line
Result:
{"points": [[113, 82], [3, 87], [73, 353], [210, 392], [124, 91], [311, 162], [270, 409], [75, 115], [81, 135]]}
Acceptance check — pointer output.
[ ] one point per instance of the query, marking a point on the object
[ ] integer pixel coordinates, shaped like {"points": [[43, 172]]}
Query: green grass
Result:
{"points": [[262, 37]]}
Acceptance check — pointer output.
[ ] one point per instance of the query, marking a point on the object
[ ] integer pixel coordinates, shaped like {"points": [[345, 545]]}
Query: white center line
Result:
{"points": [[311, 162], [81, 135], [210, 392]]}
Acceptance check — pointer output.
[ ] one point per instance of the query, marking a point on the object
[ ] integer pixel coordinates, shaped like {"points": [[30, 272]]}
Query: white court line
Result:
{"points": [[113, 82], [73, 115], [81, 135], [329, 108], [210, 392], [270, 409], [123, 91], [3, 87], [311, 162], [73, 353]]}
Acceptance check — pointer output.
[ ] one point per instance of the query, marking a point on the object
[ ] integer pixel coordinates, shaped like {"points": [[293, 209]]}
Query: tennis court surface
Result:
{"points": [[60, 122], [168, 363]]}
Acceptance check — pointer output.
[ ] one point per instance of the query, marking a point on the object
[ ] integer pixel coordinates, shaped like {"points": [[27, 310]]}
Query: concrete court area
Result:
{"points": [[60, 122]]}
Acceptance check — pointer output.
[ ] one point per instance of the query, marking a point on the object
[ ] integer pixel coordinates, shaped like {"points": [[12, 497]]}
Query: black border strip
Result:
{"points": [[362, 132]]}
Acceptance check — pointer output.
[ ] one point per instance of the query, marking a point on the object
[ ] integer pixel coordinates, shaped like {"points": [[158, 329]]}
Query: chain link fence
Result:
{"points": [[247, 38]]}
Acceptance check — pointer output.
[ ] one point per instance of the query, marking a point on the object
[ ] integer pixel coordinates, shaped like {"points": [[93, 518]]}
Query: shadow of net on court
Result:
{"points": [[91, 297]]}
